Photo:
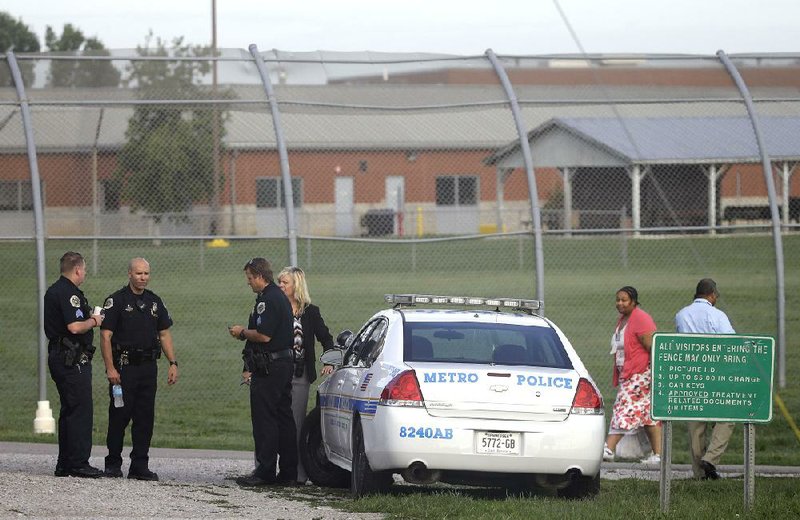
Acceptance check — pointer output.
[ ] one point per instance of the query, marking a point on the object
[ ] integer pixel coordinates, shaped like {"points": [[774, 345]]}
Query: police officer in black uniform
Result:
{"points": [[68, 324], [135, 331], [269, 366]]}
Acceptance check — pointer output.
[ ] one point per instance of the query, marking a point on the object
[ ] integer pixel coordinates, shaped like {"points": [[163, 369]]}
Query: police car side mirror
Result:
{"points": [[333, 357], [344, 338]]}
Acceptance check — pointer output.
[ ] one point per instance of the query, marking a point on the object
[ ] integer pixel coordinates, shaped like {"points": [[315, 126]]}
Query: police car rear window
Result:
{"points": [[484, 343]]}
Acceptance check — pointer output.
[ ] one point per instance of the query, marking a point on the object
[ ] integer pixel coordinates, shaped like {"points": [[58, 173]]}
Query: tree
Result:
{"points": [[16, 36], [166, 164], [78, 73]]}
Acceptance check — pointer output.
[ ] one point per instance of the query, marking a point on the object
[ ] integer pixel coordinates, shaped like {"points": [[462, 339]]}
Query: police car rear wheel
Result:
{"points": [[364, 481], [320, 470]]}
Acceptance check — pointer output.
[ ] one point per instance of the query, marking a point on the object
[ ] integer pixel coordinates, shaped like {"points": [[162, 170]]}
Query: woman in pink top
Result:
{"points": [[631, 345]]}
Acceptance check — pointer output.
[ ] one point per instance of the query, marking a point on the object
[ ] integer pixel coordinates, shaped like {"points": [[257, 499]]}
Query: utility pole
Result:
{"points": [[215, 123]]}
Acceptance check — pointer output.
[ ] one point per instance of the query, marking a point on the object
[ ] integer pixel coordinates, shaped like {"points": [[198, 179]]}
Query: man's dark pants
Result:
{"points": [[274, 431], [74, 385], [139, 385]]}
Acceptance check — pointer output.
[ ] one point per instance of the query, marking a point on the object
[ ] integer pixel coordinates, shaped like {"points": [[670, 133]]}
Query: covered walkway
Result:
{"points": [[638, 145]]}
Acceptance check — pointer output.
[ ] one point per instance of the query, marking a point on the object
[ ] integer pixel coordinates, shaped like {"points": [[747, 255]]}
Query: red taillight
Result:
{"points": [[588, 400], [403, 390]]}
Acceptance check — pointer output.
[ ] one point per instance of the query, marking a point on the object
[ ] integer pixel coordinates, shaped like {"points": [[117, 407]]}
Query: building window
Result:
{"points": [[457, 190], [16, 196], [269, 192], [111, 193]]}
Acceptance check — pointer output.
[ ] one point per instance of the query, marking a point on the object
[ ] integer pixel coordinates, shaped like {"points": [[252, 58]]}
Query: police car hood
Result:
{"points": [[496, 392]]}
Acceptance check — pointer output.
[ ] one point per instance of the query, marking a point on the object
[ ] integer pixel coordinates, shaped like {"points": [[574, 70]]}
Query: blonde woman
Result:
{"points": [[308, 324]]}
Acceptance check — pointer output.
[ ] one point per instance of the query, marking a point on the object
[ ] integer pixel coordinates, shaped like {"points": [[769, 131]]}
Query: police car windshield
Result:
{"points": [[484, 343]]}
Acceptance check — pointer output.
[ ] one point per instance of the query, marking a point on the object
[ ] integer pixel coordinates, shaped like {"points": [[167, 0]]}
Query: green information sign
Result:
{"points": [[712, 377]]}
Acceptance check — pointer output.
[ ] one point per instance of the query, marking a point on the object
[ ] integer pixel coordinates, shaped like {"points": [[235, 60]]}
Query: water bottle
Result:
{"points": [[116, 391]]}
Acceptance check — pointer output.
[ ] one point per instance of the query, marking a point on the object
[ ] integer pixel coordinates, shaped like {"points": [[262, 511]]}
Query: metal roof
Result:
{"points": [[420, 117], [616, 141]]}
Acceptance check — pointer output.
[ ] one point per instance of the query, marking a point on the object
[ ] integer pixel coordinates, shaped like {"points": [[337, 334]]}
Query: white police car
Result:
{"points": [[493, 397]]}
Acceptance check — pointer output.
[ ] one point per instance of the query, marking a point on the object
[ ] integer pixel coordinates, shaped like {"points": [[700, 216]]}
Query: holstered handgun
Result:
{"points": [[75, 353], [256, 361]]}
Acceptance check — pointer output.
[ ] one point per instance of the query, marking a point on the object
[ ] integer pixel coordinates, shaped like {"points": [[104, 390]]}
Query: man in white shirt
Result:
{"points": [[702, 317]]}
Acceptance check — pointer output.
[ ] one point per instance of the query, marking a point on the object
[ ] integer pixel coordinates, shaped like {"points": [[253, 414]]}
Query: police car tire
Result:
{"points": [[364, 481], [319, 469], [581, 487]]}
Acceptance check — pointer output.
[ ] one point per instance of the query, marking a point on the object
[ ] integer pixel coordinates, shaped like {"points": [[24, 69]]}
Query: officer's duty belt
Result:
{"points": [[281, 354], [74, 352], [65, 343], [135, 355], [56, 344]]}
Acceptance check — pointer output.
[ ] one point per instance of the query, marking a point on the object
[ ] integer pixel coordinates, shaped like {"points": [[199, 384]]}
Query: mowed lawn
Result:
{"points": [[205, 291]]}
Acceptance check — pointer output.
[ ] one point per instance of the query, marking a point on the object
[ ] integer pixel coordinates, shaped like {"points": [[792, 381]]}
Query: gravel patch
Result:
{"points": [[192, 486], [200, 484]]}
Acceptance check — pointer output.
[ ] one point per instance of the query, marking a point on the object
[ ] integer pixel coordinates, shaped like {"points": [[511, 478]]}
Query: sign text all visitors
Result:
{"points": [[712, 377]]}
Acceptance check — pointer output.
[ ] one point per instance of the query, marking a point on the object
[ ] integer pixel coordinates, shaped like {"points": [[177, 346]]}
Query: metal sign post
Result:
{"points": [[716, 378]]}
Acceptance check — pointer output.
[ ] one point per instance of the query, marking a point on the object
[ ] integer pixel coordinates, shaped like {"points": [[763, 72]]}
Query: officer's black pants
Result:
{"points": [[274, 431], [74, 385], [139, 384]]}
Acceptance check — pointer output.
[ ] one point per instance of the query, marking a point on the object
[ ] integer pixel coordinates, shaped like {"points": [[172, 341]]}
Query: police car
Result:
{"points": [[482, 391]]}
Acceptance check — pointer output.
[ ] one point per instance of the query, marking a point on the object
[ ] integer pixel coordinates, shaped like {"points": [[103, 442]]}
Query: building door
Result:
{"points": [[396, 201], [457, 198], [344, 207]]}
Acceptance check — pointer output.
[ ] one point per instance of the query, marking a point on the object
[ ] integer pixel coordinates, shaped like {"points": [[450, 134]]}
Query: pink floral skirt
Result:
{"points": [[632, 406]]}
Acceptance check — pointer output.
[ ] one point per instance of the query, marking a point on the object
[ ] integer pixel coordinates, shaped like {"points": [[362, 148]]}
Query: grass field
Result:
{"points": [[205, 291], [618, 499]]}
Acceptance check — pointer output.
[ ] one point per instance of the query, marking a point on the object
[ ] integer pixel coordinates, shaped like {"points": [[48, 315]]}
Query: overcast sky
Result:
{"points": [[466, 27]]}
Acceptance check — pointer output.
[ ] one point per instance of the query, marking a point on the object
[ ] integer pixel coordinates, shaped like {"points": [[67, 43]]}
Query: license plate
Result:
{"points": [[503, 443]]}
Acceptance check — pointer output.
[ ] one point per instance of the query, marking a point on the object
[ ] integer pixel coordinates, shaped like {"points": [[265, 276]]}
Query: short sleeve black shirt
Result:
{"points": [[135, 319], [272, 316], [64, 303]]}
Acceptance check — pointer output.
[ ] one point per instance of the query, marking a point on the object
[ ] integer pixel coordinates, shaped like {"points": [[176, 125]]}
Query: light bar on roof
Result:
{"points": [[429, 299], [533, 305], [399, 298]]}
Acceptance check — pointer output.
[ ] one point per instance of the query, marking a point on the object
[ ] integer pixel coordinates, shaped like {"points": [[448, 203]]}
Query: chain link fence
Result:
{"points": [[406, 176]]}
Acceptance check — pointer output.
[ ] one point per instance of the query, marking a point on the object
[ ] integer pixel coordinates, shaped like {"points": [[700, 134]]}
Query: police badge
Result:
{"points": [[74, 300], [260, 308], [109, 303]]}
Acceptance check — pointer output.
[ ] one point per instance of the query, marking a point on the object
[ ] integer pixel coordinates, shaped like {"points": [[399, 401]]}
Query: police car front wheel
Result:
{"points": [[365, 481], [320, 470]]}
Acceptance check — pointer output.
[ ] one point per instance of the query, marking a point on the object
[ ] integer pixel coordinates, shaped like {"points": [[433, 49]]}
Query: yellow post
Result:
{"points": [[420, 228]]}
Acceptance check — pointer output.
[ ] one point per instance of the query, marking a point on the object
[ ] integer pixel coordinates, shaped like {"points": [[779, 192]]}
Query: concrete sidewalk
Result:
{"points": [[44, 448], [611, 470], [617, 470]]}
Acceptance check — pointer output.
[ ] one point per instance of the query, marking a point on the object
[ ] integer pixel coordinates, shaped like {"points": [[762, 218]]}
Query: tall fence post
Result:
{"points": [[623, 235], [95, 208], [773, 208], [522, 132], [44, 422], [280, 143]]}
